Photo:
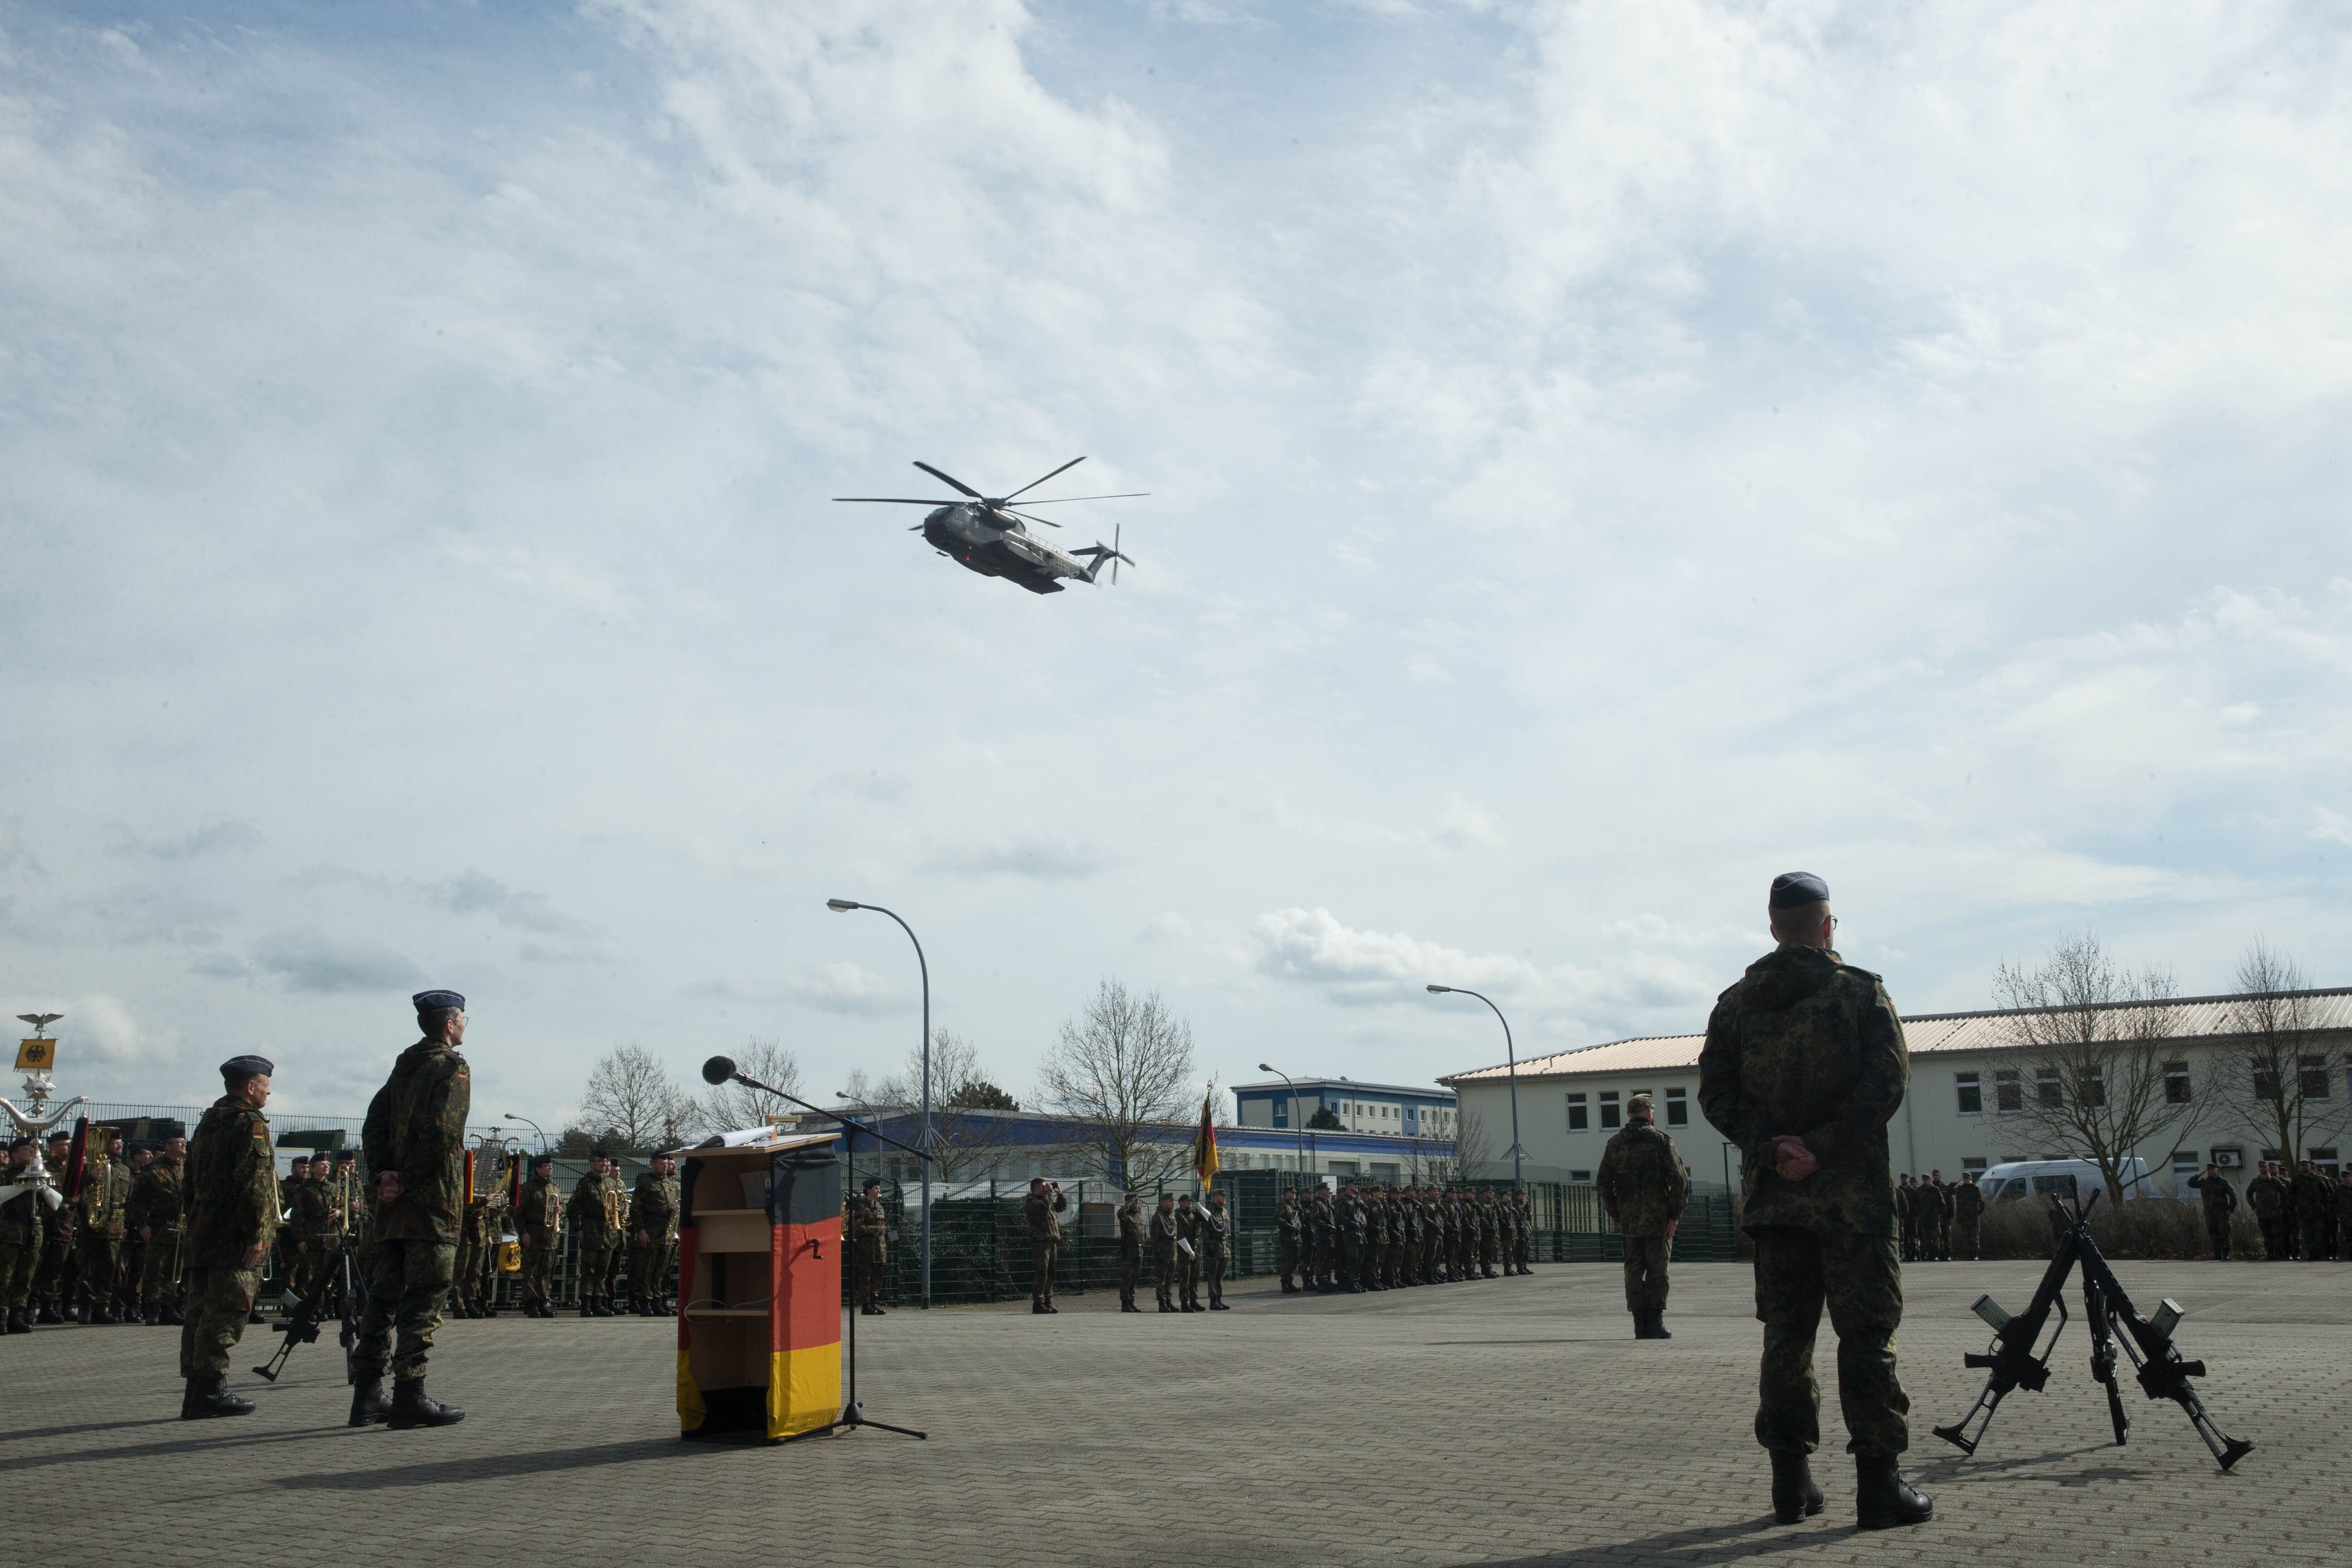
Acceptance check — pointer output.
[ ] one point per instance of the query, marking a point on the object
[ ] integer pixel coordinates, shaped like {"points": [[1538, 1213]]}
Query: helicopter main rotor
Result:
{"points": [[994, 506]]}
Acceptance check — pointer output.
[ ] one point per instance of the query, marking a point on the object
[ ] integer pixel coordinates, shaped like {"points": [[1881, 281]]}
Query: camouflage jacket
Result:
{"points": [[1642, 1181], [2314, 1197], [1967, 1202], [2266, 1197], [2220, 1197], [652, 1208], [416, 1125], [1130, 1227], [539, 1213], [20, 1216], [155, 1196], [1044, 1211], [105, 1196], [1807, 1046], [1934, 1202], [872, 1225], [231, 1185], [1216, 1225], [1164, 1230], [313, 1202], [2343, 1216], [1285, 1218], [597, 1206]]}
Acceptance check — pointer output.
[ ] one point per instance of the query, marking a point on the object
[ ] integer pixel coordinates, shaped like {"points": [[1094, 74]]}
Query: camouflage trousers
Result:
{"points": [[596, 1254], [158, 1276], [538, 1267], [1964, 1239], [870, 1263], [1286, 1256], [1130, 1274], [17, 1262], [1213, 1272], [100, 1255], [218, 1301], [1164, 1273], [1646, 1273], [53, 1277], [1858, 1277], [407, 1283], [650, 1266], [1042, 1257]]}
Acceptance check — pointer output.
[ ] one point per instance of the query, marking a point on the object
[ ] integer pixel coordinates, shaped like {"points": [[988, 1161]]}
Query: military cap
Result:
{"points": [[1183, 1198], [598, 1155], [873, 1182], [347, 1156], [61, 1136], [301, 1159], [247, 1067], [1639, 1105], [1791, 888], [166, 1131], [542, 1159], [435, 1001], [19, 1142], [140, 1146]]}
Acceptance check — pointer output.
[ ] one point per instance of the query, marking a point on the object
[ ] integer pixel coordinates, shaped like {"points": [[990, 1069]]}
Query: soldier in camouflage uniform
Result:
{"points": [[1348, 1222], [2221, 1201], [311, 1219], [869, 1246], [99, 1225], [596, 1214], [1130, 1252], [1188, 1255], [1163, 1252], [20, 1241], [1643, 1186], [1376, 1239], [1215, 1243], [1323, 1238], [1287, 1224], [415, 1144], [133, 1255], [539, 1222], [232, 1191], [157, 1209], [1490, 1234], [1803, 1066], [653, 1239], [1043, 1210], [53, 1278], [1967, 1215], [474, 1243], [1432, 1235]]}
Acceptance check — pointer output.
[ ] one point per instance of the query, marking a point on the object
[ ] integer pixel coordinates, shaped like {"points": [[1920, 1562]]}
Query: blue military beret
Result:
{"points": [[247, 1067], [434, 1001], [1791, 888]]}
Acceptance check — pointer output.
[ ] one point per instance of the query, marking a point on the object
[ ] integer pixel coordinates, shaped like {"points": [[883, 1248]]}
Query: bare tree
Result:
{"points": [[1471, 1148], [2277, 1074], [732, 1106], [964, 1140], [630, 1096], [2098, 1041], [1123, 1072]]}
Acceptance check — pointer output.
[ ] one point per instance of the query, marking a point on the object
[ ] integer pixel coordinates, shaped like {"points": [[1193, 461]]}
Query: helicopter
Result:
{"points": [[985, 533]]}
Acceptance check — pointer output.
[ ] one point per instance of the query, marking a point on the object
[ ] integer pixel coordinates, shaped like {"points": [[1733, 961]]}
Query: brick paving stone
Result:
{"points": [[1503, 1422]]}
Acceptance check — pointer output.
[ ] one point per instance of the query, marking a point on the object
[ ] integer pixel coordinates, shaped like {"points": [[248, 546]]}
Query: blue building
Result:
{"points": [[1390, 1110]]}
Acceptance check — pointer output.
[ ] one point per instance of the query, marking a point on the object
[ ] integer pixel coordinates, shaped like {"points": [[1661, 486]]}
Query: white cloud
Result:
{"points": [[99, 1029], [312, 961]]}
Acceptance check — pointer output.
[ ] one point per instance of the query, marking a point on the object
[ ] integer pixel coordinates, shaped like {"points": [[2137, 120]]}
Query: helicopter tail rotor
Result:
{"points": [[1105, 552]]}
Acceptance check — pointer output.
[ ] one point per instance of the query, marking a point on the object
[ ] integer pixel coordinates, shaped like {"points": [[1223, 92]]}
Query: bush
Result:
{"points": [[2154, 1228]]}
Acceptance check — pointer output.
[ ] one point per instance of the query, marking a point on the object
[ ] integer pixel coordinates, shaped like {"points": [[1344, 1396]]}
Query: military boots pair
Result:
{"points": [[406, 1407], [1650, 1322], [1883, 1501], [208, 1397]]}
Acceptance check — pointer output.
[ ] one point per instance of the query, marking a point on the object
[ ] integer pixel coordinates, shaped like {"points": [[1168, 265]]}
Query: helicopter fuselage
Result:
{"points": [[971, 536]]}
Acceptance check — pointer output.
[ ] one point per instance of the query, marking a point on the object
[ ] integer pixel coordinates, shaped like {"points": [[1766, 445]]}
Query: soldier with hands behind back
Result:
{"points": [[1643, 1186], [232, 1195]]}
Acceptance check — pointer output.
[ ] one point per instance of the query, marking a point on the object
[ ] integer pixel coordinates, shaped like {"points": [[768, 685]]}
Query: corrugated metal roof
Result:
{"points": [[1926, 1034]]}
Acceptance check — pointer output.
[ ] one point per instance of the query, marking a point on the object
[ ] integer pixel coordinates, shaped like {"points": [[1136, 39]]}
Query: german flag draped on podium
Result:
{"points": [[759, 1268]]}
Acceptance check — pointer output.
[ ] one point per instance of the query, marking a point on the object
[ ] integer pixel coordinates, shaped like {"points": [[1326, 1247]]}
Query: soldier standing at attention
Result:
{"points": [[415, 1142], [1286, 1238], [653, 1225], [1216, 1230], [1523, 1231], [1131, 1251], [1043, 1208], [54, 1273], [293, 1270], [1348, 1222], [2315, 1211], [2343, 1196], [2265, 1196], [465, 1289], [1803, 1066], [539, 1221], [1490, 1234], [1322, 1237], [20, 1241], [313, 1205], [2221, 1202], [595, 1214], [866, 1220], [1643, 1186], [1163, 1252], [158, 1195], [1188, 1255], [1376, 1237], [133, 1255], [1940, 1218], [1967, 1215], [105, 1194], [232, 1208]]}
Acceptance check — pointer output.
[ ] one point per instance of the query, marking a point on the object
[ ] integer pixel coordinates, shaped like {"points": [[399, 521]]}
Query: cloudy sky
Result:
{"points": [[1600, 455]]}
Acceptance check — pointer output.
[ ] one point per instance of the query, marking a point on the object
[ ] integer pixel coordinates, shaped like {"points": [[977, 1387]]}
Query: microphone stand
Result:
{"points": [[853, 1414]]}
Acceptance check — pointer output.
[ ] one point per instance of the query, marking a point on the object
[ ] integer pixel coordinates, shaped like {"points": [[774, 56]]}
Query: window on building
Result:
{"points": [[1576, 1113], [1580, 1176], [1971, 1094], [2185, 1163], [1609, 1108], [2047, 1089], [2008, 1091], [2274, 1156], [2092, 1085], [2325, 1160], [1677, 1109], [2312, 1071], [2176, 1083], [2266, 1083], [1972, 1163]]}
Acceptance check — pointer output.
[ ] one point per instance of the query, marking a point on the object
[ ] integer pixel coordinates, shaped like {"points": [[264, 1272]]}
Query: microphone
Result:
{"points": [[718, 1070]]}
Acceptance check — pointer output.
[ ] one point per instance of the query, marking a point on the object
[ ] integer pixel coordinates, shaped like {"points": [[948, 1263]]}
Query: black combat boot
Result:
{"points": [[48, 1312], [1641, 1325], [104, 1317], [370, 1403], [20, 1321], [1795, 1498], [1882, 1500], [1166, 1305], [587, 1307], [1658, 1329], [172, 1316], [410, 1408], [206, 1398]]}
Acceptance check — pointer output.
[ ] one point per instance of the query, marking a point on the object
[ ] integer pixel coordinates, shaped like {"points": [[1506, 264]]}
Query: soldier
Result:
{"points": [[1523, 1231], [2266, 1196], [1967, 1215], [595, 1211], [2315, 1211], [2221, 1202], [1643, 1186], [20, 1241], [1432, 1235], [289, 1270], [159, 1204], [232, 1191], [99, 1228], [1348, 1222], [1215, 1234], [1131, 1251], [1906, 1211], [1164, 1250], [1490, 1235], [54, 1277], [1287, 1224], [133, 1255], [1188, 1255], [1803, 1066], [653, 1226], [2343, 1196], [1323, 1237], [1407, 1237], [1941, 1217], [1042, 1209], [869, 1245], [539, 1222], [473, 1243], [1376, 1239], [415, 1144], [311, 1216]]}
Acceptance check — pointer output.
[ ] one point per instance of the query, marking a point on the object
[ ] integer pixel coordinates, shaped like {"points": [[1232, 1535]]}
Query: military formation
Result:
{"points": [[1939, 1221], [1361, 1238]]}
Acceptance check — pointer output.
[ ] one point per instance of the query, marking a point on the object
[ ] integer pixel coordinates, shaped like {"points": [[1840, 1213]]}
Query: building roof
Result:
{"points": [[1926, 1034], [1349, 1086]]}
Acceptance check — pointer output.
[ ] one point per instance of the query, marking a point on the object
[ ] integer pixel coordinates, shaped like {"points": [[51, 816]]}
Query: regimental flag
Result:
{"points": [[514, 1181], [469, 1175], [35, 1055], [1204, 1143]]}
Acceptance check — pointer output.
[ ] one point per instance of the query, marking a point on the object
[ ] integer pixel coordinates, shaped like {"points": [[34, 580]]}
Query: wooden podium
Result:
{"points": [[759, 1297]]}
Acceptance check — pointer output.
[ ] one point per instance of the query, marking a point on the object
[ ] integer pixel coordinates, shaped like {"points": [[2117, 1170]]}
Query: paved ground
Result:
{"points": [[1511, 1422]]}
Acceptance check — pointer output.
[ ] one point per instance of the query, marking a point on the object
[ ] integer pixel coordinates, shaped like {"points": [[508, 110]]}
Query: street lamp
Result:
{"points": [[922, 1139], [1511, 1055], [532, 1125], [1298, 1123]]}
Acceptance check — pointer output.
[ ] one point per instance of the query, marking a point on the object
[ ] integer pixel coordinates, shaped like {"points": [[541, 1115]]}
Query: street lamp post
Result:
{"points": [[532, 1125], [923, 1138], [1511, 1055], [1298, 1123]]}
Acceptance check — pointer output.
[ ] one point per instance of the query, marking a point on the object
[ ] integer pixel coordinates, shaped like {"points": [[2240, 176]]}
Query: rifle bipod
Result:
{"points": [[339, 1280], [2019, 1357]]}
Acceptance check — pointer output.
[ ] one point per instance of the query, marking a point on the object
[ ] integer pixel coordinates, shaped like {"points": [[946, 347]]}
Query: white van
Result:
{"points": [[2075, 1180]]}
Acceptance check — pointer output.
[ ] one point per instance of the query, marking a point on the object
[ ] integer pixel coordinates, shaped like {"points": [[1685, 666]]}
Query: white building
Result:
{"points": [[1963, 1110]]}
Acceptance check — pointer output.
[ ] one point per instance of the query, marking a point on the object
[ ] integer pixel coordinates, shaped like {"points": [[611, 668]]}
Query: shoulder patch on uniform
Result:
{"points": [[261, 1130]]}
